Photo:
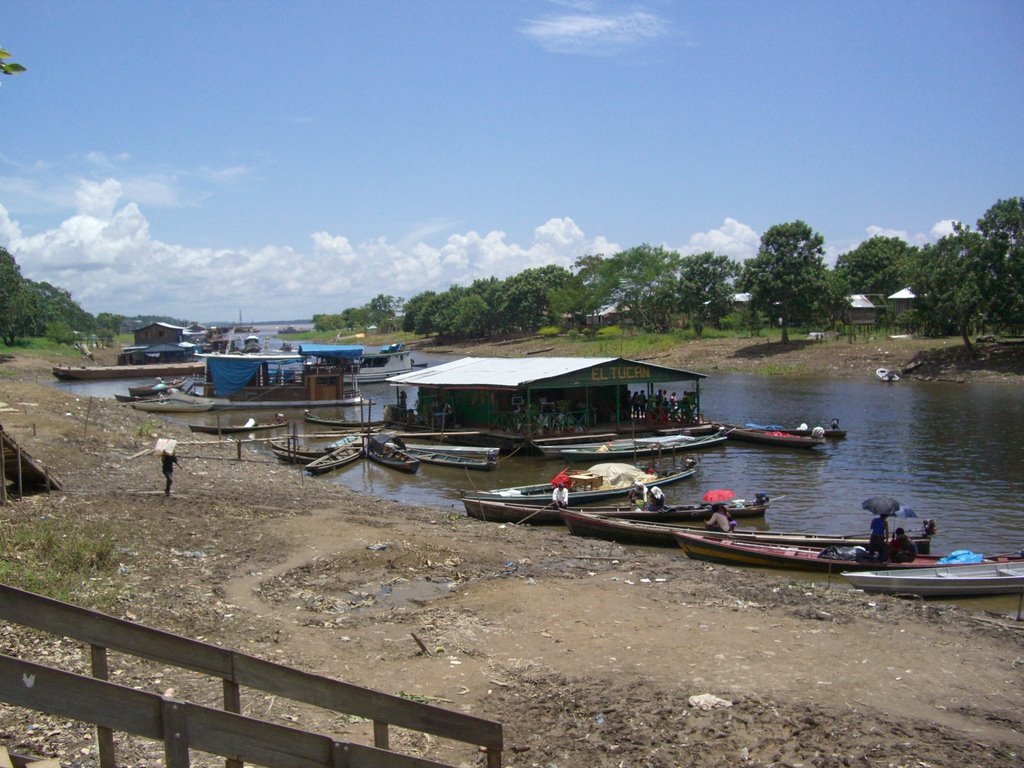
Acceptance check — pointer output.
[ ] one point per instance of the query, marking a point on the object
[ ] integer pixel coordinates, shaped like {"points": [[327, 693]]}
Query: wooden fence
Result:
{"points": [[228, 733]]}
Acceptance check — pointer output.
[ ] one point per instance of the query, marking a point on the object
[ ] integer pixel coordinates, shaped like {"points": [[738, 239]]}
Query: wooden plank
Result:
{"points": [[366, 702], [99, 629], [35, 686]]}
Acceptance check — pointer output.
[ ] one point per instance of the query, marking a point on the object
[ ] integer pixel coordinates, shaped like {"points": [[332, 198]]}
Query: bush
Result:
{"points": [[60, 332], [609, 332], [549, 331]]}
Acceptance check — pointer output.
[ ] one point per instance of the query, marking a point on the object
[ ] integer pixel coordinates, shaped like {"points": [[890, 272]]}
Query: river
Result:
{"points": [[951, 452]]}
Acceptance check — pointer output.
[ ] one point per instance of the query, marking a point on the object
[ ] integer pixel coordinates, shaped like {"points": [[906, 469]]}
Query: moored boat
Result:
{"points": [[231, 429], [174, 401], [944, 581], [600, 482], [462, 457], [381, 449], [654, 532], [336, 459], [774, 437], [390, 360], [146, 390], [346, 423], [700, 546], [506, 512], [293, 452], [887, 375], [641, 446]]}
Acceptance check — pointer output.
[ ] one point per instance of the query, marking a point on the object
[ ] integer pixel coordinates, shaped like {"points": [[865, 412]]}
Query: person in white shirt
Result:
{"points": [[657, 501], [560, 496]]}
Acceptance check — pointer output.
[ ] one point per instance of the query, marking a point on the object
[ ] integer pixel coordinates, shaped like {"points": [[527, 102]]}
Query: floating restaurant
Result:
{"points": [[532, 397]]}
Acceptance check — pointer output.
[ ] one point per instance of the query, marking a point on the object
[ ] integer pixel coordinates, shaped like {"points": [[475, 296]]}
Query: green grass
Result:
{"points": [[60, 559], [39, 347]]}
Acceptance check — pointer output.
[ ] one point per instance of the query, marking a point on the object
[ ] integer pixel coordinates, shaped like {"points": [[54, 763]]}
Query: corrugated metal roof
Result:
{"points": [[860, 301], [906, 293], [508, 372]]}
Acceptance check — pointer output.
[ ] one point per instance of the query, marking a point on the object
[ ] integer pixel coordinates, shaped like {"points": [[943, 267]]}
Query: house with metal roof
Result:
{"points": [[528, 396]]}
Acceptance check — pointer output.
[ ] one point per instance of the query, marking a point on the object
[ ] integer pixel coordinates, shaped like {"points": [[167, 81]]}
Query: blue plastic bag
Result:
{"points": [[961, 556]]}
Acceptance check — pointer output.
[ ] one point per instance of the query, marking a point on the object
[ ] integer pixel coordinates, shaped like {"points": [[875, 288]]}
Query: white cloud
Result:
{"points": [[105, 255], [594, 33], [733, 239], [942, 228]]}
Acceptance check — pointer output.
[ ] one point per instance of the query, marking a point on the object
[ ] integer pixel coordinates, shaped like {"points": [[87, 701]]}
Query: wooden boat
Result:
{"points": [[144, 390], [293, 452], [772, 437], [600, 482], [336, 459], [945, 581], [345, 423], [504, 512], [887, 375], [379, 448], [701, 546], [642, 446], [174, 401], [103, 372], [454, 456], [654, 532], [231, 429]]}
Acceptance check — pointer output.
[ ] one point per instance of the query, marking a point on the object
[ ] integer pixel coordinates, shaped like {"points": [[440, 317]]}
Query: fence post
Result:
{"points": [[104, 736], [175, 733], [232, 703], [380, 735]]}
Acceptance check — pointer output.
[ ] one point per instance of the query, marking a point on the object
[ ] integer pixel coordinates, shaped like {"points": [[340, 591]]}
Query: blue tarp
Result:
{"points": [[960, 556], [230, 375], [331, 351]]}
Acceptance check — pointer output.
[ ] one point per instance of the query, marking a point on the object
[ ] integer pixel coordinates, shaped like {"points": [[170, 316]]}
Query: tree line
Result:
{"points": [[970, 280]]}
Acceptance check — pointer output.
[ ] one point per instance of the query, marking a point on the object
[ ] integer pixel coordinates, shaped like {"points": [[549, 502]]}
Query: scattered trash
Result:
{"points": [[600, 718], [378, 547]]}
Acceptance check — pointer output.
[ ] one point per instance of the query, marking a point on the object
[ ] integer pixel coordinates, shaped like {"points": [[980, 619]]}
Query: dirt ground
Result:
{"points": [[587, 652]]}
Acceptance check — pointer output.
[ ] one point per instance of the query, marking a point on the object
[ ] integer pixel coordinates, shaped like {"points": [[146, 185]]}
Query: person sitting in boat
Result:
{"points": [[834, 424], [560, 496], [720, 519], [902, 548], [657, 502], [279, 418]]}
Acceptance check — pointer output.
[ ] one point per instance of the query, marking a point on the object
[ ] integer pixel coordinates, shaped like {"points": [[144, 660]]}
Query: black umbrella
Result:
{"points": [[881, 505]]}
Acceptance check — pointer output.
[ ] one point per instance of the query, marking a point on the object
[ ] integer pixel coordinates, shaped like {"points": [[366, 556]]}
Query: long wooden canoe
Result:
{"points": [[626, 450], [772, 437], [700, 546], [662, 534], [594, 486], [347, 423], [486, 460], [507, 512], [230, 429], [336, 459]]}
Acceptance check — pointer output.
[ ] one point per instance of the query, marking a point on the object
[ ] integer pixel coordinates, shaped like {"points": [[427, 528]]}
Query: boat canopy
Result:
{"points": [[230, 373], [331, 351]]}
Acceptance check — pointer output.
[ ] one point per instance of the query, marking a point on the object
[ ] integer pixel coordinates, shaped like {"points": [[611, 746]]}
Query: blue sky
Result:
{"points": [[207, 160]]}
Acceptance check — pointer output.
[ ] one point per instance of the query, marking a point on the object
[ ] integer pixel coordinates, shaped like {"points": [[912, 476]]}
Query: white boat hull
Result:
{"points": [[944, 581]]}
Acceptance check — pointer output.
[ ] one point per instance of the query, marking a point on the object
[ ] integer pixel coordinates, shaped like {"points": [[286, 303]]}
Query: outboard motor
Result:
{"points": [[929, 526]]}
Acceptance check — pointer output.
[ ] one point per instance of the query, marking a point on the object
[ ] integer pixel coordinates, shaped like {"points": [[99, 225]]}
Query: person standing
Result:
{"points": [[167, 462], [876, 542]]}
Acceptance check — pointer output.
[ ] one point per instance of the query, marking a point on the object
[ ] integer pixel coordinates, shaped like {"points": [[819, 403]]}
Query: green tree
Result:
{"points": [[954, 283], [383, 310], [879, 266], [1002, 226], [12, 300], [525, 304], [646, 285], [705, 288], [787, 277], [415, 320]]}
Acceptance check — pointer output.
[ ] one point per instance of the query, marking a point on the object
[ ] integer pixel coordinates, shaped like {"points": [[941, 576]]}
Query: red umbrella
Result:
{"points": [[719, 494]]}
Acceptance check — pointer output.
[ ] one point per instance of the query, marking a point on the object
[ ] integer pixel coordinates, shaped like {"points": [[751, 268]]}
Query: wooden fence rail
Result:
{"points": [[103, 632], [183, 726]]}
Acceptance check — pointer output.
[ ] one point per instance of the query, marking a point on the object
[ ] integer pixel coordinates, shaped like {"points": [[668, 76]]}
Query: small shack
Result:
{"points": [[531, 396], [19, 470]]}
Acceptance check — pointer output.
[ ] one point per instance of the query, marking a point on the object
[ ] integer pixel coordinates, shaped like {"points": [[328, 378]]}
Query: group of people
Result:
{"points": [[899, 549], [662, 406]]}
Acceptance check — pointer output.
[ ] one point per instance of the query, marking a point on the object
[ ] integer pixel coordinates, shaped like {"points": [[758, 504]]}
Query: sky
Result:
{"points": [[248, 160]]}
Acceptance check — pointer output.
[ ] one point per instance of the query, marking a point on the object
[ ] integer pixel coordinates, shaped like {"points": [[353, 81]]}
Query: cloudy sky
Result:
{"points": [[270, 160]]}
